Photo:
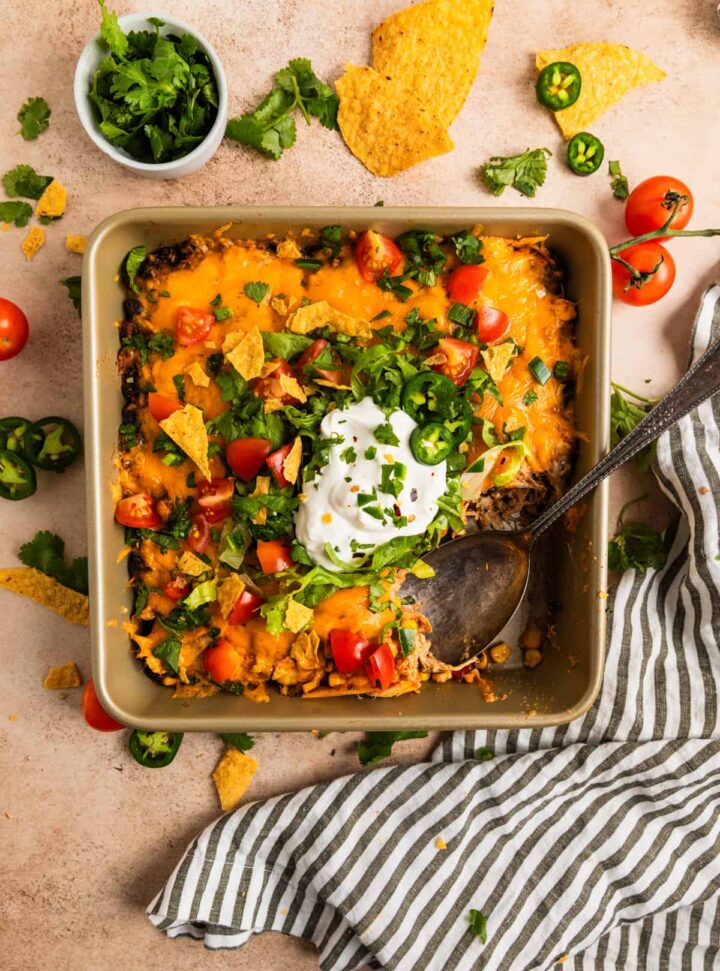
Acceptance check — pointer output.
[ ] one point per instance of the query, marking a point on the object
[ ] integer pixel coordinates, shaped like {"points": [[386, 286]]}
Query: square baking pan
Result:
{"points": [[571, 578]]}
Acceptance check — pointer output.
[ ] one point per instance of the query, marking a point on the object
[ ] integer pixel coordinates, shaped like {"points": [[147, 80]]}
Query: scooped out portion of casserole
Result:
{"points": [[304, 419]]}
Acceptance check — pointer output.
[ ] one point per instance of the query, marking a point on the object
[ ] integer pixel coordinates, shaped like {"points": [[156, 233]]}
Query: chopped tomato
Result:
{"points": [[215, 493], [647, 208], [269, 387], [274, 555], [309, 356], [644, 257], [162, 406], [374, 254], [349, 650], [380, 666], [177, 589], [245, 456], [94, 713], [198, 538], [460, 359], [138, 512], [218, 513], [192, 325], [14, 329], [465, 283], [492, 324], [276, 463], [222, 662], [247, 605]]}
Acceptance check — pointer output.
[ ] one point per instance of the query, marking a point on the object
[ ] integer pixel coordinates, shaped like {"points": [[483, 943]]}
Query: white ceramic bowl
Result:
{"points": [[88, 63]]}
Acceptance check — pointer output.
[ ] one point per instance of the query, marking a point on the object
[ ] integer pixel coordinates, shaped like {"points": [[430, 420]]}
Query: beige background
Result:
{"points": [[88, 836]]}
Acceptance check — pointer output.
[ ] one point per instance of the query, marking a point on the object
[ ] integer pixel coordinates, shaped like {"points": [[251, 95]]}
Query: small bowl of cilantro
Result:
{"points": [[151, 93]]}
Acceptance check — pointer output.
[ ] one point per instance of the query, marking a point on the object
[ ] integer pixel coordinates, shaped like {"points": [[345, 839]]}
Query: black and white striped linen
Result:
{"points": [[596, 843]]}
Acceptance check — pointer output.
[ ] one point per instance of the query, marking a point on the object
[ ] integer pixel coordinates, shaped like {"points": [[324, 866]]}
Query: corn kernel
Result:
{"points": [[532, 658]]}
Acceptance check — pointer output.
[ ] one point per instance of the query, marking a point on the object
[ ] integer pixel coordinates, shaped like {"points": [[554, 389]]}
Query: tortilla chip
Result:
{"points": [[31, 583], [228, 593], [291, 465], [305, 650], [187, 429], [34, 241], [291, 387], [497, 358], [201, 689], [232, 776], [333, 384], [246, 352], [66, 676], [197, 375], [53, 201], [386, 126], [433, 49], [191, 565], [321, 314], [608, 72], [297, 616], [288, 250], [280, 306], [75, 244]]}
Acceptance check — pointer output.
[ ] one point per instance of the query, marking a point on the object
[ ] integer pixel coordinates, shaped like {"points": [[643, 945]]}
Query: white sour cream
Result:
{"points": [[338, 498]]}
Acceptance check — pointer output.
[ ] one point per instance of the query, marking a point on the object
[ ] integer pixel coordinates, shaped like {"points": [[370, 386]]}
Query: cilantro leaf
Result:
{"points": [[169, 652], [132, 263], [478, 924], [625, 415], [73, 285], [468, 248], [524, 172], [635, 546], [618, 181], [111, 32], [34, 118], [239, 740], [23, 180], [15, 212], [46, 553], [256, 291], [378, 745]]}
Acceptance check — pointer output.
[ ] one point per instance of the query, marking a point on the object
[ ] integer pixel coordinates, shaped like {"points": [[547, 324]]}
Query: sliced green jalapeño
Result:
{"points": [[558, 85], [431, 443], [154, 750], [17, 477], [585, 153], [52, 443]]}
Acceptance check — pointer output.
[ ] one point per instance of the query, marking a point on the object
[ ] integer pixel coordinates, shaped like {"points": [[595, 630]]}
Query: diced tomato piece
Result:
{"points": [[192, 325], [245, 456], [177, 589], [222, 662], [274, 555], [465, 283], [94, 713], [138, 512], [247, 605], [309, 356], [198, 539], [215, 493], [375, 253], [218, 513], [161, 406], [349, 650], [460, 358], [270, 387], [492, 324], [380, 666], [276, 462]]}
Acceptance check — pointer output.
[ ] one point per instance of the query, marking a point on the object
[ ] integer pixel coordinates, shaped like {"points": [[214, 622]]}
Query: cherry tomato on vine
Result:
{"points": [[644, 257], [647, 210]]}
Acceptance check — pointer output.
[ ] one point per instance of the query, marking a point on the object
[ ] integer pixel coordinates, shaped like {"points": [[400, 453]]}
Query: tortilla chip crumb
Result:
{"points": [[65, 676], [53, 201], [201, 689], [288, 250], [321, 314], [291, 465], [75, 244], [297, 616], [113, 622], [246, 352], [232, 777], [192, 565], [280, 306], [197, 375], [497, 359], [31, 583], [562, 959], [228, 593], [34, 241], [291, 387], [258, 694], [440, 843], [12, 718]]}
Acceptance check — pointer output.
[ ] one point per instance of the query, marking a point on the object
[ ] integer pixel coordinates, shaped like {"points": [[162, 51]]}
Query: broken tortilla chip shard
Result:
{"points": [[433, 49], [191, 565], [65, 676], [246, 352], [608, 72], [228, 593], [385, 125], [34, 241], [293, 459], [31, 583], [52, 202], [75, 244], [321, 314], [196, 374], [187, 429], [497, 359], [297, 616], [232, 776]]}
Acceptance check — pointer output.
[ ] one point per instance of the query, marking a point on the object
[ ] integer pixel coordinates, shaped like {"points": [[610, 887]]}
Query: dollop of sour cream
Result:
{"points": [[369, 492]]}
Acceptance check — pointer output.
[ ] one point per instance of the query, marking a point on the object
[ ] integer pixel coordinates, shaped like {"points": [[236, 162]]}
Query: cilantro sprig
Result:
{"points": [[625, 414], [635, 546], [24, 181], [377, 746], [34, 118], [46, 552], [524, 172]]}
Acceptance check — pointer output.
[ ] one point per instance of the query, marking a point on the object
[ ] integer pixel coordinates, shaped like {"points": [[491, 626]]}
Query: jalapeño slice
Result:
{"points": [[558, 85], [52, 443], [585, 153], [12, 433], [17, 477], [431, 443], [154, 750]]}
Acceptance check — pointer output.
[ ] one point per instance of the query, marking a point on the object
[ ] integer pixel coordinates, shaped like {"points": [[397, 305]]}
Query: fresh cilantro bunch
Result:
{"points": [[525, 172], [156, 96], [270, 128], [46, 553]]}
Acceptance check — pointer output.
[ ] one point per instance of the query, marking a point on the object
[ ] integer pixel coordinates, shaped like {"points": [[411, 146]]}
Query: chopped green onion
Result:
{"points": [[539, 370]]}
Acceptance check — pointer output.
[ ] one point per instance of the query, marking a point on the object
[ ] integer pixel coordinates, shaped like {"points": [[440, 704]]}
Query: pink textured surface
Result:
{"points": [[88, 836]]}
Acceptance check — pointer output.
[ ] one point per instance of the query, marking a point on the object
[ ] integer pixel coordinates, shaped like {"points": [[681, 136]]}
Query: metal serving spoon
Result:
{"points": [[480, 578]]}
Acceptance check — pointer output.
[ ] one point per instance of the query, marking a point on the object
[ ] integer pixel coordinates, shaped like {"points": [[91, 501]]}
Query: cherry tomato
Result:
{"points": [[247, 605], [162, 406], [94, 713], [644, 257], [14, 329], [492, 324], [312, 353], [380, 666], [215, 493], [460, 359], [138, 512], [192, 325], [374, 254], [465, 283], [644, 210], [276, 462], [245, 456], [222, 662], [274, 555], [198, 539], [177, 589], [270, 387], [349, 650], [218, 514]]}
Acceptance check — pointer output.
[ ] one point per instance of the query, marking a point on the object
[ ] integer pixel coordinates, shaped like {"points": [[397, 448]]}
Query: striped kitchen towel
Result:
{"points": [[595, 845]]}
